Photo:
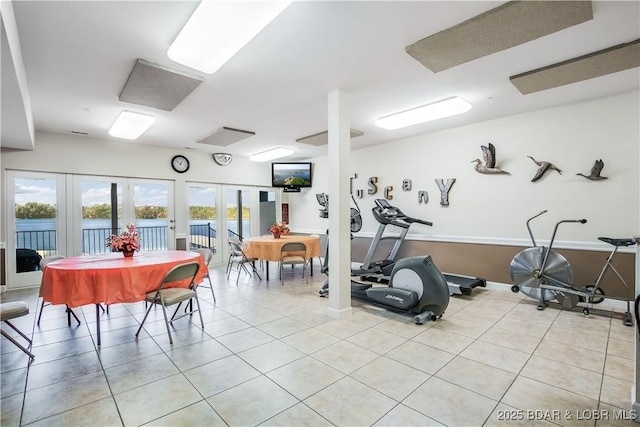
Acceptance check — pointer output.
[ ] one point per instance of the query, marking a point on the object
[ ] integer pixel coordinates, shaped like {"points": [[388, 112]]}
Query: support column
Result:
{"points": [[339, 206], [635, 391]]}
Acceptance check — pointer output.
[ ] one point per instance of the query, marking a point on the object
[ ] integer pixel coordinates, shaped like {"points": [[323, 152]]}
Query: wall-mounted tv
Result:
{"points": [[291, 175]]}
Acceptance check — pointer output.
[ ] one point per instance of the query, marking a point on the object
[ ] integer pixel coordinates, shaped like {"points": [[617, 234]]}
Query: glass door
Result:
{"points": [[100, 209], [36, 224], [204, 219], [153, 214], [237, 217]]}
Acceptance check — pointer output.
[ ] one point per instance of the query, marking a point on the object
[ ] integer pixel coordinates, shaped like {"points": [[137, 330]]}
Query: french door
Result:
{"points": [[64, 214], [218, 213], [37, 223], [204, 219]]}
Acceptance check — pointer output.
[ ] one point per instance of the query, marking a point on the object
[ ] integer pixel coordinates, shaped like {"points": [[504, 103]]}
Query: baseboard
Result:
{"points": [[339, 314]]}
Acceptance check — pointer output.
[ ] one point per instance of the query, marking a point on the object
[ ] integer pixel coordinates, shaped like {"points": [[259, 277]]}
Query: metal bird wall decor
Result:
{"points": [[543, 167], [595, 171], [489, 166]]}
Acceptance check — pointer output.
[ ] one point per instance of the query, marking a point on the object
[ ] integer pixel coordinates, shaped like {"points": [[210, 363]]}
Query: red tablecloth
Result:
{"points": [[111, 278]]}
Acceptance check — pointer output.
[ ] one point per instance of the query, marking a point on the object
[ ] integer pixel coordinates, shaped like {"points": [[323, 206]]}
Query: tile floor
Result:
{"points": [[269, 355]]}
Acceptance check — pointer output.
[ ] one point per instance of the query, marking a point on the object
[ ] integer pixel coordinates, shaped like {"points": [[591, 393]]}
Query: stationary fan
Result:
{"points": [[356, 218]]}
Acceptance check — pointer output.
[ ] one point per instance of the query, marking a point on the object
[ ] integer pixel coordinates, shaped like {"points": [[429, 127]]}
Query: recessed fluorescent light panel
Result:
{"points": [[272, 154], [438, 110], [130, 125], [217, 30]]}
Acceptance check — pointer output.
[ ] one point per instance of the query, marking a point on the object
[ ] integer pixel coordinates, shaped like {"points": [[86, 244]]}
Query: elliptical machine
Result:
{"points": [[415, 286], [380, 271]]}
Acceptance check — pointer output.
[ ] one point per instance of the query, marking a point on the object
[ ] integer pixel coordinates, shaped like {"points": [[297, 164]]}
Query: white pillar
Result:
{"points": [[635, 391], [339, 205]]}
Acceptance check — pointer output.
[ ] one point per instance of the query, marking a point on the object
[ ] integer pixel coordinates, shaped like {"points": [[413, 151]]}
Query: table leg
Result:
{"points": [[98, 322], [267, 262], [311, 264]]}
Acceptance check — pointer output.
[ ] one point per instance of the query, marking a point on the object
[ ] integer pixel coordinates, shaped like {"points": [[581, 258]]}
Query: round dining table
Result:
{"points": [[112, 278], [268, 248]]}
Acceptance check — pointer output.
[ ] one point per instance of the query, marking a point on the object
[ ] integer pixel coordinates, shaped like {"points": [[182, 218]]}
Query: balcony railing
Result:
{"points": [[41, 241], [204, 236], [94, 239]]}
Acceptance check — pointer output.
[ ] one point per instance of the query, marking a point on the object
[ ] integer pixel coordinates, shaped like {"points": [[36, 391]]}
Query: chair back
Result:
{"points": [[46, 260], [236, 249], [206, 254], [182, 272], [294, 247]]}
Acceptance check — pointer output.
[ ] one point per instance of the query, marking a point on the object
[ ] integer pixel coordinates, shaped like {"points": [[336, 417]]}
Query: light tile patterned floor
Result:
{"points": [[269, 355]]}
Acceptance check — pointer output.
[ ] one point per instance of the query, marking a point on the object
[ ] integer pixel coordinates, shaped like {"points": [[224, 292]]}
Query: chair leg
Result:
{"points": [[256, 271], [281, 279], [199, 311], [229, 270], [176, 311], [211, 287], [166, 321], [16, 343], [144, 318]]}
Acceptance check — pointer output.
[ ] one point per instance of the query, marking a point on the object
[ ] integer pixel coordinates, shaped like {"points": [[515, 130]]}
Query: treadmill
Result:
{"points": [[380, 271]]}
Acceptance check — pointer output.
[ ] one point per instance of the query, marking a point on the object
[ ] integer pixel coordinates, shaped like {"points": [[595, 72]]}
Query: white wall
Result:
{"points": [[494, 208]]}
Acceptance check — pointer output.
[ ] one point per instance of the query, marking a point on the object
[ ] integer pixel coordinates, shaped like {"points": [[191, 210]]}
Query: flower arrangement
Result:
{"points": [[278, 229], [129, 240]]}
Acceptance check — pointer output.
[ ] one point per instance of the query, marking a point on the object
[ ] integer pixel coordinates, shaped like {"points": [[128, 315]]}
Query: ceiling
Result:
{"points": [[77, 56]]}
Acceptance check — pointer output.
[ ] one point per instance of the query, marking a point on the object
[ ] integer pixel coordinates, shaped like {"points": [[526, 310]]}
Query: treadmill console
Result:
{"points": [[387, 210]]}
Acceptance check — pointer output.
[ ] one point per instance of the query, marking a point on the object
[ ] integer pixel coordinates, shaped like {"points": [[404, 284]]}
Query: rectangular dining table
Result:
{"points": [[268, 248], [112, 278]]}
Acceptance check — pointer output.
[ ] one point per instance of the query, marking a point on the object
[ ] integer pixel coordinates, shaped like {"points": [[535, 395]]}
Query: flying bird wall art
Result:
{"points": [[543, 167], [594, 175], [489, 165]]}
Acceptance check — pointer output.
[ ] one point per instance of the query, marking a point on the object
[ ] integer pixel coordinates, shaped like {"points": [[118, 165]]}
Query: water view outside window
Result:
{"points": [[36, 221], [36, 215]]}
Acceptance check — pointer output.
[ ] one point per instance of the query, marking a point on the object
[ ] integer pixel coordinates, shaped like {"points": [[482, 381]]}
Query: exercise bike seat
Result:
{"points": [[618, 242]]}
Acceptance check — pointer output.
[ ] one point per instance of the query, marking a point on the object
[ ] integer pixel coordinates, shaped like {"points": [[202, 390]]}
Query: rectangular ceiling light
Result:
{"points": [[272, 154], [130, 125], [217, 30], [611, 60], [226, 136], [437, 110], [501, 28], [322, 138]]}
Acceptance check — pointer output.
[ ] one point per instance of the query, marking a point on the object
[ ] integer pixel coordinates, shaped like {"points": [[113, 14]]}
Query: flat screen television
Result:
{"points": [[291, 175]]}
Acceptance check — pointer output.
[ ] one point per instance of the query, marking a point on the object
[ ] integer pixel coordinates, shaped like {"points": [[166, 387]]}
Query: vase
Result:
{"points": [[127, 251], [276, 235]]}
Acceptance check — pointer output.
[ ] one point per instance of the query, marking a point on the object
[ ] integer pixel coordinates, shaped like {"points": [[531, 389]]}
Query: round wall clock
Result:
{"points": [[223, 159], [180, 163]]}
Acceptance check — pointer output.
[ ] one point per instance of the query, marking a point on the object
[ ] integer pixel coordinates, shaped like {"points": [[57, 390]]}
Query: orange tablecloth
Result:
{"points": [[266, 247], [111, 278]]}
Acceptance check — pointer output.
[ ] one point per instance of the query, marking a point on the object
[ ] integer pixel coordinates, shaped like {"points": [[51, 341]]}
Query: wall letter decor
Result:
{"points": [[423, 196], [406, 184], [373, 188], [387, 192], [444, 190]]}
